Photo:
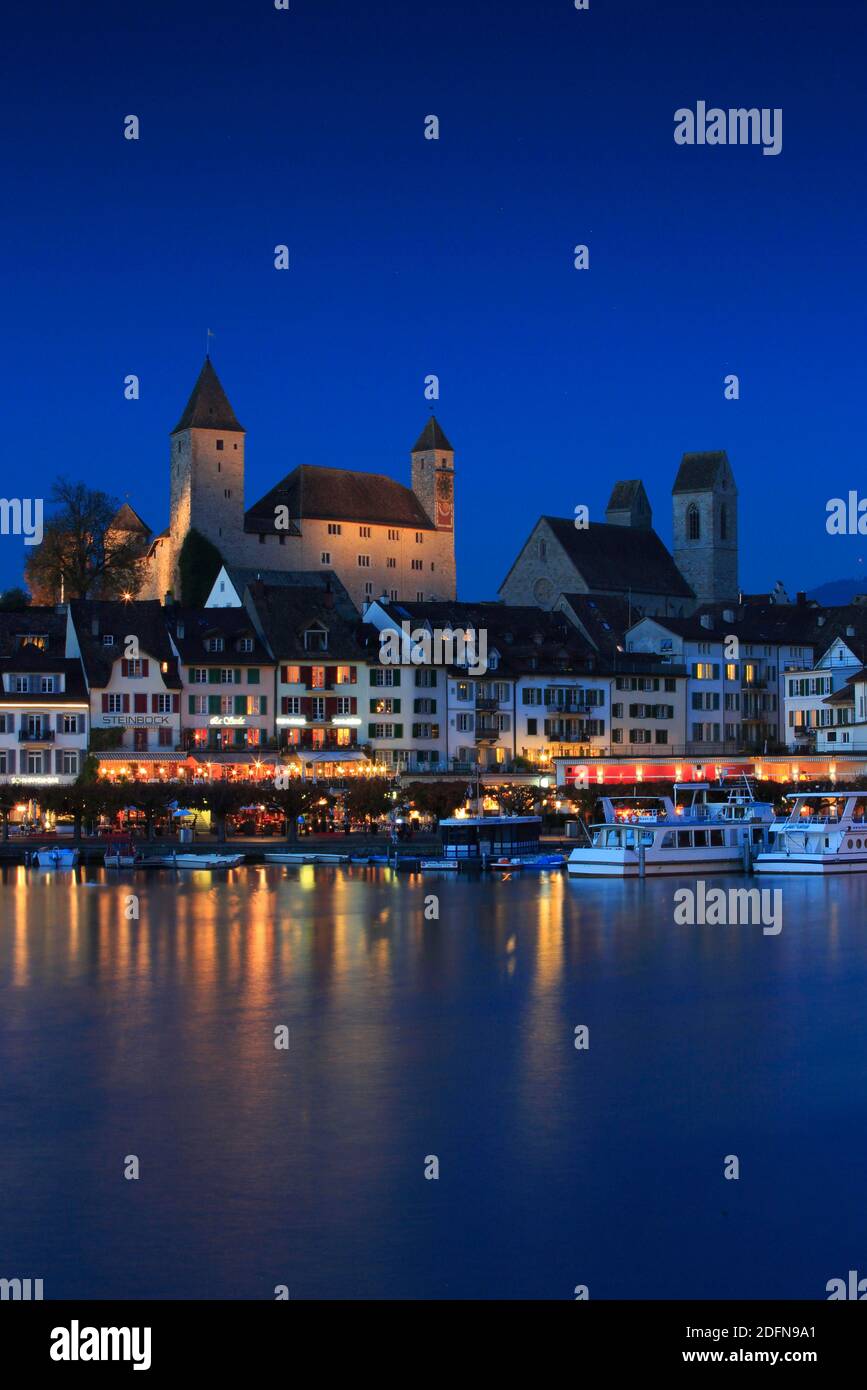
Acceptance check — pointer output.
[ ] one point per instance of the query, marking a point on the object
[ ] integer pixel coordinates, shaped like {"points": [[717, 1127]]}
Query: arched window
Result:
{"points": [[723, 523], [693, 525]]}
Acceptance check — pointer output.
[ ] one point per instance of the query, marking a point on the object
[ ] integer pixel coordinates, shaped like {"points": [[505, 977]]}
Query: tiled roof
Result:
{"points": [[619, 558], [339, 494], [208, 407], [287, 611], [231, 624], [95, 618], [526, 638], [623, 494], [432, 437], [36, 620], [699, 472], [125, 519], [604, 617]]}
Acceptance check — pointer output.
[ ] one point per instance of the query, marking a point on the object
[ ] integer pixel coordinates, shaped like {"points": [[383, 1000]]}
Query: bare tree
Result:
{"points": [[81, 555]]}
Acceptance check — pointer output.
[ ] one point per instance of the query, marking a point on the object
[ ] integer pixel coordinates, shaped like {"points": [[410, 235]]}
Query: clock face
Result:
{"points": [[445, 503], [543, 590]]}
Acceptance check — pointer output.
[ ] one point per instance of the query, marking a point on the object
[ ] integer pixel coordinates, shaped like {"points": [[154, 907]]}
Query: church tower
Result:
{"points": [[628, 506], [207, 471], [705, 517], [433, 475]]}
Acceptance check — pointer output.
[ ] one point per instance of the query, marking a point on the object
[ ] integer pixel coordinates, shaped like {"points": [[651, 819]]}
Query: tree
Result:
{"points": [[517, 800], [199, 563], [9, 799], [152, 799], [437, 799], [14, 600], [294, 800], [80, 800], [368, 797], [222, 799], [81, 555]]}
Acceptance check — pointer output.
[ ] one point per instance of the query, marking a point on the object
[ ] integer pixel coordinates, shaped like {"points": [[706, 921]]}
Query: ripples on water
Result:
{"points": [[413, 1037]]}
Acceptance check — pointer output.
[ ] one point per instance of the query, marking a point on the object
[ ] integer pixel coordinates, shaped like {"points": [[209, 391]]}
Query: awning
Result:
{"points": [[312, 755], [128, 756]]}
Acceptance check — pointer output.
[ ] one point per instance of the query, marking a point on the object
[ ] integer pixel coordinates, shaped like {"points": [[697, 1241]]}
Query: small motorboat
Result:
{"points": [[53, 857], [174, 860], [312, 857], [446, 865], [120, 854], [532, 861]]}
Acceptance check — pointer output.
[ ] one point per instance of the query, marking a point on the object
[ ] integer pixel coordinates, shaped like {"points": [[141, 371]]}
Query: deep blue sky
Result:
{"points": [[455, 257]]}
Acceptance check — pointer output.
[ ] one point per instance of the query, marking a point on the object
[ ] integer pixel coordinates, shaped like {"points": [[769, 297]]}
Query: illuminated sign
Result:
{"points": [[346, 720], [35, 781], [137, 721], [234, 721], [291, 720]]}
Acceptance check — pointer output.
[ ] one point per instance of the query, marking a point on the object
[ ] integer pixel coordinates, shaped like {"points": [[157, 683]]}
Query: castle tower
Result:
{"points": [[628, 506], [433, 475], [207, 470], [705, 523]]}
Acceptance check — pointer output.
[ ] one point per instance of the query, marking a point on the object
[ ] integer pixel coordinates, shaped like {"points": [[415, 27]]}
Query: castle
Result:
{"points": [[379, 536]]}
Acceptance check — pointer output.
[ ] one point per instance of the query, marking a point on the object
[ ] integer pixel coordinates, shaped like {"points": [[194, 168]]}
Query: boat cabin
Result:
{"points": [[490, 837]]}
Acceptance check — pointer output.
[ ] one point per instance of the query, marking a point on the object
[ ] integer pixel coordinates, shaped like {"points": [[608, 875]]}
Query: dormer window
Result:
{"points": [[33, 639], [108, 639], [245, 644], [214, 644], [316, 638]]}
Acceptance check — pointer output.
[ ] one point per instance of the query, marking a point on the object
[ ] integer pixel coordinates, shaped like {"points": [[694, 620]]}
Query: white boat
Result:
{"points": [[53, 857], [697, 832], [191, 861], [288, 857], [121, 854], [824, 832], [491, 842]]}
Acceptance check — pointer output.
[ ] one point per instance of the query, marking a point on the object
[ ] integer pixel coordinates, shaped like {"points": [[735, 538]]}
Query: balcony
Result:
{"points": [[35, 735], [483, 702], [567, 709], [759, 683], [486, 734]]}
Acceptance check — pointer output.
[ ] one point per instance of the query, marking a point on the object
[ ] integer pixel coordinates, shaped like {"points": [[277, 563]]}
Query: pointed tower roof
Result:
{"points": [[699, 472], [432, 437], [126, 519], [208, 407]]}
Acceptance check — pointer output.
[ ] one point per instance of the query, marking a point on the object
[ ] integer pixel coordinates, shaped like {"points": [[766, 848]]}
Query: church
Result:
{"points": [[379, 536], [622, 559]]}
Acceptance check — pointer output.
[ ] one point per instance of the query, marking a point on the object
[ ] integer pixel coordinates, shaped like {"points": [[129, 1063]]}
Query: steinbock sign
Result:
{"points": [[137, 721]]}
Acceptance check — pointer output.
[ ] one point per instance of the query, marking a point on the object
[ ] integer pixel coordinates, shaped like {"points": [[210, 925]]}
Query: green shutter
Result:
{"points": [[263, 704], [237, 680], [192, 704], [213, 704], [395, 705], [398, 731], [240, 704], [213, 675], [372, 705], [370, 729], [253, 675]]}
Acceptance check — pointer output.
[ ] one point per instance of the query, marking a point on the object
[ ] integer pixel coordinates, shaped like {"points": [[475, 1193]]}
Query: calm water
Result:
{"points": [[411, 1038]]}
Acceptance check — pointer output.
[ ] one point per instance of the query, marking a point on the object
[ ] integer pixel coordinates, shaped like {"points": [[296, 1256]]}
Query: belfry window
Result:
{"points": [[693, 524]]}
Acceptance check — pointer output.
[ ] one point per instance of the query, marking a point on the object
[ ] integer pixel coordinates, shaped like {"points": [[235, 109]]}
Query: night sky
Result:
{"points": [[453, 257]]}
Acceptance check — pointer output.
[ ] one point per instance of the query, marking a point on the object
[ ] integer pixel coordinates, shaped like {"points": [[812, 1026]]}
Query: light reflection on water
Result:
{"points": [[411, 1037]]}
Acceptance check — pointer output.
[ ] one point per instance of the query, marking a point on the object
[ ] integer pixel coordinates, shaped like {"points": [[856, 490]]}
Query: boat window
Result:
{"points": [[684, 839], [645, 837], [717, 837], [700, 837], [848, 844], [857, 844], [757, 835], [667, 840], [629, 838]]}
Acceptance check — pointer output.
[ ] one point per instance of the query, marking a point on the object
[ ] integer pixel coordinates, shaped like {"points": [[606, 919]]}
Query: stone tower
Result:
{"points": [[705, 523], [628, 506], [433, 475], [207, 471]]}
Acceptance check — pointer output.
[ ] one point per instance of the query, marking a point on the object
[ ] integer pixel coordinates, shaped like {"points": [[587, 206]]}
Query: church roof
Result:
{"points": [[340, 494], [432, 437], [619, 558], [699, 472], [208, 407], [125, 519], [623, 494]]}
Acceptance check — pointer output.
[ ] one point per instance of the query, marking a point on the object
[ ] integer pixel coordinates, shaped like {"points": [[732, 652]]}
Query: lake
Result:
{"points": [[411, 1039]]}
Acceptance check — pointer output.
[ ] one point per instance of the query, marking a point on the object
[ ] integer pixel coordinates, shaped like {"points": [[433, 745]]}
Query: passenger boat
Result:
{"points": [[174, 860], [825, 832], [53, 857], [491, 842], [698, 831]]}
